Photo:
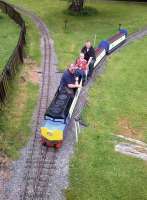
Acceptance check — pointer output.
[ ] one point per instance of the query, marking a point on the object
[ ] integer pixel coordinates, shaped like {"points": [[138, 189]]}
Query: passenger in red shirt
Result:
{"points": [[82, 65]]}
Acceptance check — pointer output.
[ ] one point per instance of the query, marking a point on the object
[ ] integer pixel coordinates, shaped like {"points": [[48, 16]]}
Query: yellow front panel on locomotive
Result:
{"points": [[52, 135]]}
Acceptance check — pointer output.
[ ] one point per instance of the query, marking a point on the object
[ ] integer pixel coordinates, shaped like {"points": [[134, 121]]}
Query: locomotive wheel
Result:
{"points": [[43, 142]]}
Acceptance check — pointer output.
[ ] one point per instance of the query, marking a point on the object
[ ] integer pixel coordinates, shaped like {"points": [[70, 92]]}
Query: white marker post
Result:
{"points": [[94, 40], [78, 126], [76, 131]]}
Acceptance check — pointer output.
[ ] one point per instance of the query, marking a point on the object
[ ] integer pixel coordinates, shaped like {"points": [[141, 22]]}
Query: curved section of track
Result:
{"points": [[99, 69], [41, 161]]}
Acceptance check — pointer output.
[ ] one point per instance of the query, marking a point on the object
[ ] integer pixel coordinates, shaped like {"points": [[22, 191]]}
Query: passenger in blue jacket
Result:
{"points": [[89, 55], [69, 79]]}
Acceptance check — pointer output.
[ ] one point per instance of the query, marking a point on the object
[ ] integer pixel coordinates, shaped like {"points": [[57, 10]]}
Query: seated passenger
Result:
{"points": [[81, 63], [69, 79], [82, 66], [89, 55]]}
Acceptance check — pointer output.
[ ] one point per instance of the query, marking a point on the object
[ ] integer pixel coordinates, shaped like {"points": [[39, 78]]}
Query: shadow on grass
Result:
{"points": [[1, 17]]}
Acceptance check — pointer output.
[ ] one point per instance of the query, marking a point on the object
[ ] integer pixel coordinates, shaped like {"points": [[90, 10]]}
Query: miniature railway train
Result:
{"points": [[60, 111]]}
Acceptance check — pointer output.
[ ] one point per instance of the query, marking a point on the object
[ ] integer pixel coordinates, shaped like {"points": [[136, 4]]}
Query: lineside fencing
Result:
{"points": [[10, 68]]}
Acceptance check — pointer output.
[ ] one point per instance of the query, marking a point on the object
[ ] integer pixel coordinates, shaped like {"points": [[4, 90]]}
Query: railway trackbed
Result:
{"points": [[45, 167], [41, 162]]}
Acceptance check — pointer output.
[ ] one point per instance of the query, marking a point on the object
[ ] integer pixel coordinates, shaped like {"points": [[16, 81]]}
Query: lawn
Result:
{"points": [[104, 24], [97, 172], [9, 35], [16, 117]]}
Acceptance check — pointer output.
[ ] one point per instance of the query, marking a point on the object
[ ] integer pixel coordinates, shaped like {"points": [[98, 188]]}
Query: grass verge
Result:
{"points": [[16, 118], [117, 105], [9, 36]]}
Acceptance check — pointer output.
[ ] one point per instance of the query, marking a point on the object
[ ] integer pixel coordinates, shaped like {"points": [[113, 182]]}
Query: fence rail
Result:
{"points": [[16, 57]]}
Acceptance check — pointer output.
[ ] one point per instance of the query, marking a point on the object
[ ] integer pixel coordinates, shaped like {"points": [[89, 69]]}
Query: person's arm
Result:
{"points": [[77, 63], [92, 55], [89, 61], [69, 84], [85, 65], [74, 86]]}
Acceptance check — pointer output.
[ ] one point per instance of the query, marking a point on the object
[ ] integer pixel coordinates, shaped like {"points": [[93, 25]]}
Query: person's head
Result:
{"points": [[72, 68], [82, 55], [88, 44]]}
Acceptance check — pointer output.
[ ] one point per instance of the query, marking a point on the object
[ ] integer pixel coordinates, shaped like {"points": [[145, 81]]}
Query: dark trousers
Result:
{"points": [[81, 74], [69, 91], [91, 67]]}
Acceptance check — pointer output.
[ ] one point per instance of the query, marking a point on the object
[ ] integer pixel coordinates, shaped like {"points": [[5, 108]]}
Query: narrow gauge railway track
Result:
{"points": [[40, 163], [99, 69]]}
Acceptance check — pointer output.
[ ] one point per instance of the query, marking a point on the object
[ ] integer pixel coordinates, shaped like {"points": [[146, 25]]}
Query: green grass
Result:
{"points": [[15, 121], [104, 24], [16, 118], [32, 40], [97, 171], [9, 35]]}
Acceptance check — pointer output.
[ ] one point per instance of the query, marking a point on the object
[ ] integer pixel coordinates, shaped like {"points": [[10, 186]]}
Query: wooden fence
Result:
{"points": [[9, 70]]}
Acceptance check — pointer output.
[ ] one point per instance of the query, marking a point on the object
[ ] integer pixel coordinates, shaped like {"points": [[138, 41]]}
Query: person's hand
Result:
{"points": [[77, 81], [79, 85], [90, 59]]}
